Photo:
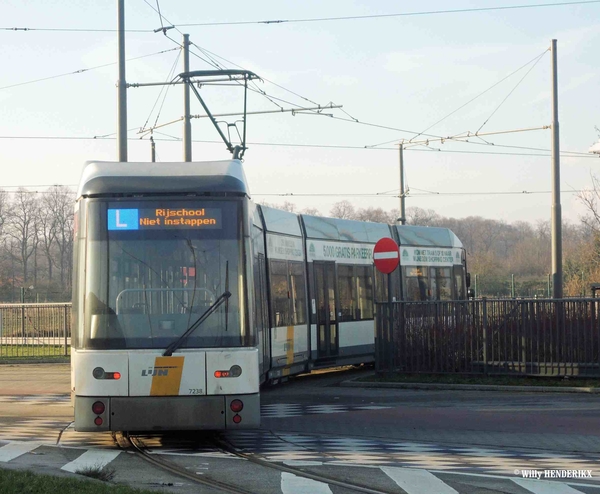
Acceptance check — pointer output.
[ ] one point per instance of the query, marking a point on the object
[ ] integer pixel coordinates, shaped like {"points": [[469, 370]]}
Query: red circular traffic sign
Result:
{"points": [[386, 255]]}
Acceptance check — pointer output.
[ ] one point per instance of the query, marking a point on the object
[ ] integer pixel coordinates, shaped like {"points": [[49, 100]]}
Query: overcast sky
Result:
{"points": [[401, 73]]}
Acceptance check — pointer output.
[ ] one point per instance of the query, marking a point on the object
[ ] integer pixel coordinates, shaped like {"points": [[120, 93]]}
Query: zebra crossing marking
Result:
{"points": [[415, 481], [92, 458], [293, 484], [545, 486], [13, 450]]}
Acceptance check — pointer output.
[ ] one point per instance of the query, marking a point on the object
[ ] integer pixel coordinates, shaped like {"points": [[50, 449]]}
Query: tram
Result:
{"points": [[187, 296]]}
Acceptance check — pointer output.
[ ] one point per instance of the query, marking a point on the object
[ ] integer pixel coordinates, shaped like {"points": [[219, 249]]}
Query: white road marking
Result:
{"points": [[292, 484], [94, 458], [545, 486], [415, 481], [14, 450]]}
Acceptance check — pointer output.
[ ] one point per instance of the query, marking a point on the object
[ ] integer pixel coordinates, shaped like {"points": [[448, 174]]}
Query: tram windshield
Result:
{"points": [[153, 267]]}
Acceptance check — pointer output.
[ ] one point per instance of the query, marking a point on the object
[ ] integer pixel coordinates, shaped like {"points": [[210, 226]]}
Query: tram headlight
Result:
{"points": [[98, 373]]}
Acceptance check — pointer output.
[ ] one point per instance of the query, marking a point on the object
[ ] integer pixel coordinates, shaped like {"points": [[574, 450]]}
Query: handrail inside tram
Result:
{"points": [[132, 290]]}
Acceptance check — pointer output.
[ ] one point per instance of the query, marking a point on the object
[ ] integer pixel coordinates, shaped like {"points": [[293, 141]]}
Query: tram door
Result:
{"points": [[327, 322]]}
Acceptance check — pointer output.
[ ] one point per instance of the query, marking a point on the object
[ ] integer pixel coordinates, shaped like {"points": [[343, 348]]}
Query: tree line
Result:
{"points": [[36, 245]]}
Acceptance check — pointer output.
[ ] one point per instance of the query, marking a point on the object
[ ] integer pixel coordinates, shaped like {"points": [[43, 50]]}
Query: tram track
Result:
{"points": [[136, 444]]}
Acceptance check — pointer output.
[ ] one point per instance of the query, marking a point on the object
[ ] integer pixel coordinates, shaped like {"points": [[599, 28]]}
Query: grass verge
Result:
{"points": [[484, 380], [26, 482]]}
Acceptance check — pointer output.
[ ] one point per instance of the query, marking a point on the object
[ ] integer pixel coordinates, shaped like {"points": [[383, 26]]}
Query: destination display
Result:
{"points": [[280, 247], [164, 218], [429, 256]]}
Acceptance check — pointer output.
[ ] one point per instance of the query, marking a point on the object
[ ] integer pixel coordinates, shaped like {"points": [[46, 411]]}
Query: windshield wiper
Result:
{"points": [[216, 304]]}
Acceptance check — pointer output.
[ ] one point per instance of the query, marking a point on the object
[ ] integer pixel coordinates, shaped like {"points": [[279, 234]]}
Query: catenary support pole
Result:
{"points": [[121, 85], [402, 218], [557, 275], [187, 125]]}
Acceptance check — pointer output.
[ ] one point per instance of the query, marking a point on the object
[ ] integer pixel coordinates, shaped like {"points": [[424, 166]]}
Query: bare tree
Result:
{"points": [[344, 210], [311, 211], [22, 227], [4, 209], [377, 215], [422, 217], [47, 230], [590, 198], [60, 201]]}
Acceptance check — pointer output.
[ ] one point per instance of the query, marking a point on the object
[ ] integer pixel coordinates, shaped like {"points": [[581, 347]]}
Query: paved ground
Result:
{"points": [[401, 440]]}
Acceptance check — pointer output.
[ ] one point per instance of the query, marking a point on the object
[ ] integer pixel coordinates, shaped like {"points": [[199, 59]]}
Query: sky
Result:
{"points": [[425, 74]]}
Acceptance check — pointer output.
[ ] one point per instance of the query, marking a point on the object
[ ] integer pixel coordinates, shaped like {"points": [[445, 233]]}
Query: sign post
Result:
{"points": [[386, 256]]}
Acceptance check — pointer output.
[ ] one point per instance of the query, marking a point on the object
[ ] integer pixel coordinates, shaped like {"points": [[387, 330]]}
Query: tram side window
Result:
{"points": [[459, 282], [298, 292], [288, 290], [260, 317], [355, 292], [346, 292], [417, 283], [280, 293], [381, 286], [364, 280], [441, 284]]}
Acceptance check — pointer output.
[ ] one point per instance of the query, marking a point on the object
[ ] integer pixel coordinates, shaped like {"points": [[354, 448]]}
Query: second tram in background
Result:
{"points": [[187, 295]]}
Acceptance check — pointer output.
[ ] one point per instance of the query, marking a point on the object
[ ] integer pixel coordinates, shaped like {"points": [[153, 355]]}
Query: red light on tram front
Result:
{"points": [[236, 406], [98, 421], [98, 408], [237, 418], [116, 375]]}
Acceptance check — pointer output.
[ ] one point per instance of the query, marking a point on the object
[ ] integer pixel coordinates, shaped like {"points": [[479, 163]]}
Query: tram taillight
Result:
{"points": [[237, 418]]}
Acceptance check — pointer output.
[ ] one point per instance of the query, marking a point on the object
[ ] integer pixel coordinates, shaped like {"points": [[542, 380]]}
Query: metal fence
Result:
{"points": [[528, 337], [35, 330]]}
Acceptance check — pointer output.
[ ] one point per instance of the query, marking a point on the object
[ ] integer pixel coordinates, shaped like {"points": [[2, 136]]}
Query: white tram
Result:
{"points": [[187, 296]]}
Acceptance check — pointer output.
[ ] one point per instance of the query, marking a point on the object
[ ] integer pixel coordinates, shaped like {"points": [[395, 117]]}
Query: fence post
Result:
{"points": [[23, 323], [65, 328], [485, 343]]}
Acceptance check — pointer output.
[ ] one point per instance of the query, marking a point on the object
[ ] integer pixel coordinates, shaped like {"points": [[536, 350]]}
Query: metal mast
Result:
{"points": [[557, 275], [121, 85], [187, 125]]}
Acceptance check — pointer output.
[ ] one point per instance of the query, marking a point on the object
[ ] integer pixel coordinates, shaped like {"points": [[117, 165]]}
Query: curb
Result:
{"points": [[34, 362], [352, 383]]}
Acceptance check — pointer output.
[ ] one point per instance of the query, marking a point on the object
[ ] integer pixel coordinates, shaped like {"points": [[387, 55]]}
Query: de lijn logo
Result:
{"points": [[123, 219], [156, 371]]}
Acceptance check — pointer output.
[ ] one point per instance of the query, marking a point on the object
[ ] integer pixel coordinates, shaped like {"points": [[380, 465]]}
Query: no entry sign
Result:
{"points": [[386, 255]]}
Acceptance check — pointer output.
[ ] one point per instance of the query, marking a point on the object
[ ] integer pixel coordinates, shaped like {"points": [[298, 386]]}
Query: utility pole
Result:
{"points": [[152, 149], [402, 218], [557, 275], [121, 85], [187, 125]]}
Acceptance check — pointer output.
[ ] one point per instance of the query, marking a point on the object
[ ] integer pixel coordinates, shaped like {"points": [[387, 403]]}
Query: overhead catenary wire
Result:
{"points": [[387, 194], [512, 91], [536, 59], [567, 154], [316, 19], [81, 71]]}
